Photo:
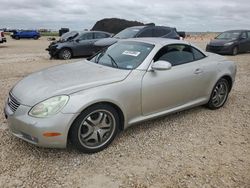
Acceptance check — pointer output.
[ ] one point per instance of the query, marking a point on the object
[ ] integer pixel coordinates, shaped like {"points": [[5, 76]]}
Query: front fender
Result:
{"points": [[125, 94]]}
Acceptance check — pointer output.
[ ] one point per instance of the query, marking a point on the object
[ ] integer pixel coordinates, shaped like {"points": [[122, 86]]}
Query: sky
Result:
{"points": [[185, 15]]}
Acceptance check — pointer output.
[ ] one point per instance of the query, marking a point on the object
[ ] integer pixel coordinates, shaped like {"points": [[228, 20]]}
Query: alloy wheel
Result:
{"points": [[66, 54], [235, 50], [96, 129], [220, 93]]}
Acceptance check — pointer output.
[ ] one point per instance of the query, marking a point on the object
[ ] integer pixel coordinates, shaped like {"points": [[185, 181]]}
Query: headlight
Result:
{"points": [[228, 44], [49, 107]]}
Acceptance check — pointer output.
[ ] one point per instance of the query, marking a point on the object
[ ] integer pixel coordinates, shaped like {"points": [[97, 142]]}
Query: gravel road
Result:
{"points": [[193, 148]]}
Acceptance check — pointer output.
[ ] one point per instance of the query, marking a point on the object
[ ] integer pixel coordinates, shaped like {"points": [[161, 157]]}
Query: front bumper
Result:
{"points": [[53, 51], [219, 49], [32, 129]]}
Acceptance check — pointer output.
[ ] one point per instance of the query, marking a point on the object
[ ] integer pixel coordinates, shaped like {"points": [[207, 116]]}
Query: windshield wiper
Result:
{"points": [[113, 61], [97, 58]]}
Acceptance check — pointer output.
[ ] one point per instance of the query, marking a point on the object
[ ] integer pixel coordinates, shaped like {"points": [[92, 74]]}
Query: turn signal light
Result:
{"points": [[51, 134]]}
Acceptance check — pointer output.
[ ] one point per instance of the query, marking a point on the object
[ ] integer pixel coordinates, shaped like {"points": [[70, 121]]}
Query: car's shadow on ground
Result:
{"points": [[239, 54], [3, 46]]}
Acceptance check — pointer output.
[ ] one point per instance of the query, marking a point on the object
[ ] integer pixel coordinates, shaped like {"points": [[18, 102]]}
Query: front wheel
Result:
{"points": [[219, 94], [235, 50], [65, 54], [95, 128]]}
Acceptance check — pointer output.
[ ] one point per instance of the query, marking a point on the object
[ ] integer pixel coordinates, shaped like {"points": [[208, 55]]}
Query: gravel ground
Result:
{"points": [[194, 148]]}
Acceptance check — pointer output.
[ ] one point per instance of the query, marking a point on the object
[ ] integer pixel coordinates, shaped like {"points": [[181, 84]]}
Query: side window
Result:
{"points": [[176, 54], [197, 54], [159, 32], [146, 33], [244, 35], [86, 36], [100, 35], [248, 33]]}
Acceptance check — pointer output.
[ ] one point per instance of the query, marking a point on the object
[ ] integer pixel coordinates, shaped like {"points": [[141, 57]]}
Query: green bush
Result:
{"points": [[50, 34]]}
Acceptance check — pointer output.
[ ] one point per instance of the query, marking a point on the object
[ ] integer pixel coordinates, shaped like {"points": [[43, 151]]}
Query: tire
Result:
{"points": [[94, 129], [219, 94], [17, 37], [65, 54], [35, 37], [235, 50]]}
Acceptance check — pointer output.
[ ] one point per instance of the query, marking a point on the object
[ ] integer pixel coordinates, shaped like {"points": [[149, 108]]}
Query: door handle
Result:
{"points": [[198, 71]]}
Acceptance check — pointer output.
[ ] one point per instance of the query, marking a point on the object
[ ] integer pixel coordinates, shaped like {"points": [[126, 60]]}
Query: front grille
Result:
{"points": [[215, 48], [13, 103]]}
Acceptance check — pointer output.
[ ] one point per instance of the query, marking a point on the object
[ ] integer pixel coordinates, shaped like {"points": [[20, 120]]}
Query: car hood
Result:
{"points": [[220, 42], [65, 79], [59, 43], [106, 42]]}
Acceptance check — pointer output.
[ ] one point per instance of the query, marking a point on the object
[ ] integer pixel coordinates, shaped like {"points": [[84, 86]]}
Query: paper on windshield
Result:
{"points": [[131, 53]]}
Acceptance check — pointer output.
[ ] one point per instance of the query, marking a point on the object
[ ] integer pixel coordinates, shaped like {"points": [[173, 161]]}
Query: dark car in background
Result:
{"points": [[73, 44], [27, 34], [230, 42], [139, 32], [63, 30]]}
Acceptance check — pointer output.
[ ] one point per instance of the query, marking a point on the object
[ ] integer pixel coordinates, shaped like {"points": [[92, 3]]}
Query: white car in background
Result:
{"points": [[2, 38]]}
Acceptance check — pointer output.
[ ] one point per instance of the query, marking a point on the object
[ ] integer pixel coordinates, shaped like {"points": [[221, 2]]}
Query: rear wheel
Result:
{"points": [[219, 94], [65, 54], [95, 128]]}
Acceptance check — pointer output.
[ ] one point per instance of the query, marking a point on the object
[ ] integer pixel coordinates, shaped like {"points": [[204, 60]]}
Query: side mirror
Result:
{"points": [[161, 65], [242, 38]]}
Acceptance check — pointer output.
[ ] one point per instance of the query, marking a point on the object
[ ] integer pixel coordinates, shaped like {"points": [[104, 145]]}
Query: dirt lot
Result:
{"points": [[194, 148]]}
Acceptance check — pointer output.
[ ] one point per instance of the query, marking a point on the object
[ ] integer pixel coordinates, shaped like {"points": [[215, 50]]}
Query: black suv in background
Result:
{"points": [[230, 42], [140, 31]]}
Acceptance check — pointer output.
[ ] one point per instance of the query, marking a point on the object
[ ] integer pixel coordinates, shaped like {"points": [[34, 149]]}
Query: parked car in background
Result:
{"points": [[63, 30], [141, 31], [73, 44], [88, 102], [230, 42], [27, 34], [2, 37], [182, 34]]}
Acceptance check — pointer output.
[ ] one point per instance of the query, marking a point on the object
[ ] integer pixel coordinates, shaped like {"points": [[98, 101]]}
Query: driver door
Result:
{"points": [[244, 42], [248, 41], [83, 45], [182, 84]]}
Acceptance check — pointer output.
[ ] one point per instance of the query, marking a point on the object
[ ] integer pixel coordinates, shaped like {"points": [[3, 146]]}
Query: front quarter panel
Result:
{"points": [[125, 94]]}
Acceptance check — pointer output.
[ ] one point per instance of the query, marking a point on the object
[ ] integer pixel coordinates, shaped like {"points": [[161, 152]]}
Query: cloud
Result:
{"points": [[191, 15]]}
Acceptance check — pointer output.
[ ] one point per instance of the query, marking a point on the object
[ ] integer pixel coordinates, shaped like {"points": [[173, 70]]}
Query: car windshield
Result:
{"points": [[127, 33], [124, 55], [229, 35], [68, 36]]}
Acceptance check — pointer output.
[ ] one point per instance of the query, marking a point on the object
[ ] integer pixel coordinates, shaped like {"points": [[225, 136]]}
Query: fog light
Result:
{"points": [[29, 137]]}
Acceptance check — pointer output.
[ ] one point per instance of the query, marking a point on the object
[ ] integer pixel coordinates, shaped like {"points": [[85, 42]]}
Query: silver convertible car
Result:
{"points": [[87, 103]]}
